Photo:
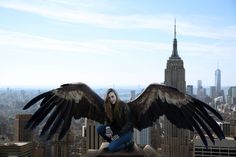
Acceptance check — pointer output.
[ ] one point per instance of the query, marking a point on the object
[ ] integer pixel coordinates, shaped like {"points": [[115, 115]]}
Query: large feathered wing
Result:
{"points": [[180, 109], [64, 103]]}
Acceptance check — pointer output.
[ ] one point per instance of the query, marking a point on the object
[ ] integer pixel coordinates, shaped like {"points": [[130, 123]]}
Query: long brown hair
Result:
{"points": [[108, 108]]}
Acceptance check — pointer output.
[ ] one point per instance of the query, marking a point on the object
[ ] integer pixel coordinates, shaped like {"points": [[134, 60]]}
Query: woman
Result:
{"points": [[118, 128]]}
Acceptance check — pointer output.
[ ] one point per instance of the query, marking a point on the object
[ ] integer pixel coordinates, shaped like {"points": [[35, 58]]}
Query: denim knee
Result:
{"points": [[112, 147], [100, 129]]}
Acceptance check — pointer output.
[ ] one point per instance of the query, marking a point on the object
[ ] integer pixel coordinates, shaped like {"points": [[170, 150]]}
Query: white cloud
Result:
{"points": [[86, 13], [26, 41], [16, 40], [206, 49]]}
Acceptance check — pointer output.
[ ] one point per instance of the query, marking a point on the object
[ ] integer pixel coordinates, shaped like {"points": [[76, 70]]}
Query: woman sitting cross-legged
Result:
{"points": [[118, 129]]}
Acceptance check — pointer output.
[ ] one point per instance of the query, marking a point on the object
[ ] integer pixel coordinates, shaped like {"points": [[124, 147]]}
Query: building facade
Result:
{"points": [[189, 90], [93, 140], [225, 126], [232, 95], [16, 149], [62, 148], [218, 81], [22, 134], [145, 136], [212, 92], [223, 148], [176, 142]]}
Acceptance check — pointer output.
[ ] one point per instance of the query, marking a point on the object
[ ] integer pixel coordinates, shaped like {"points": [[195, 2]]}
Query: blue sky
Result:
{"points": [[114, 43]]}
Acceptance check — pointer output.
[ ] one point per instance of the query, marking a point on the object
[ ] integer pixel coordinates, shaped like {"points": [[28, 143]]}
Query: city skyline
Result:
{"points": [[122, 43]]}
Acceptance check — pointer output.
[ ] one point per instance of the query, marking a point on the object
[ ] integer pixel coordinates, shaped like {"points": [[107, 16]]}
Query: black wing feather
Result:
{"points": [[211, 122], [67, 120], [195, 125], [200, 121], [58, 121], [180, 109], [36, 99], [51, 120], [62, 104]]}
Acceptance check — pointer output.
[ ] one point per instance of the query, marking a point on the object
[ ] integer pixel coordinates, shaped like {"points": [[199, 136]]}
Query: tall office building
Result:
{"points": [[93, 140], [133, 94], [199, 84], [176, 142], [136, 134], [156, 136], [201, 92], [199, 88], [21, 134], [190, 90], [175, 72], [225, 126], [232, 95], [145, 136], [213, 92], [62, 148], [218, 81]]}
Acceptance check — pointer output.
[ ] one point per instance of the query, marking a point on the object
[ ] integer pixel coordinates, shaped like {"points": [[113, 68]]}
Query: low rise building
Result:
{"points": [[222, 148], [16, 149]]}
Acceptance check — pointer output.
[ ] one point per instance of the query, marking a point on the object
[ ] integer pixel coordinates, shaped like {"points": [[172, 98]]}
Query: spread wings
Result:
{"points": [[64, 103], [180, 109]]}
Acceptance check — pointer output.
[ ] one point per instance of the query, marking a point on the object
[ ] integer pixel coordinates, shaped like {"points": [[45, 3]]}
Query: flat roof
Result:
{"points": [[227, 142], [14, 143]]}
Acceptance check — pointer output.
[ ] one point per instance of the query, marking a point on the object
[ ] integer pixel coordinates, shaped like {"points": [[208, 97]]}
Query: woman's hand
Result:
{"points": [[109, 132], [109, 135]]}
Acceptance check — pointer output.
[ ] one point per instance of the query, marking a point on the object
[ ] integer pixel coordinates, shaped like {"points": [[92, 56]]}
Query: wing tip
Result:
{"points": [[28, 105], [36, 99], [25, 107]]}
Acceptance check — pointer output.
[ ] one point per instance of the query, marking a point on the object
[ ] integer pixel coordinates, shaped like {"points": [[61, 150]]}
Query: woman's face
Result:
{"points": [[112, 98]]}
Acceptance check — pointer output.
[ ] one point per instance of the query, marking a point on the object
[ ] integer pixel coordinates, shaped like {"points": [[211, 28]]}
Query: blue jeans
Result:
{"points": [[118, 144]]}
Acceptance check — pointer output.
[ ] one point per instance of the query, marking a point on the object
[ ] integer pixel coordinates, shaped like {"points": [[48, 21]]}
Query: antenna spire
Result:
{"points": [[175, 29], [175, 51]]}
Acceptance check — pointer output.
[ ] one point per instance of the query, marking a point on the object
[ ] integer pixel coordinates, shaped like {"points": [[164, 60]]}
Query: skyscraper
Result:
{"points": [[62, 148], [190, 90], [145, 136], [225, 126], [136, 134], [93, 140], [201, 92], [232, 95], [218, 81], [212, 92], [176, 141], [175, 72], [21, 134]]}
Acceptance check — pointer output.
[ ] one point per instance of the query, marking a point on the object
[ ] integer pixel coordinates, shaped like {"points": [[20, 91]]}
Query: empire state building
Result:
{"points": [[175, 72], [176, 142]]}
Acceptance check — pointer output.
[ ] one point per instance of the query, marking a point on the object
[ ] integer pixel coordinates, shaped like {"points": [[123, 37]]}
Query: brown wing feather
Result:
{"points": [[180, 109], [64, 103], [161, 92]]}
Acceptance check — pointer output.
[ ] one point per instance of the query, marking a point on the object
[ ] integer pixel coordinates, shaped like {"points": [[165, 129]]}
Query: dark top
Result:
{"points": [[124, 124]]}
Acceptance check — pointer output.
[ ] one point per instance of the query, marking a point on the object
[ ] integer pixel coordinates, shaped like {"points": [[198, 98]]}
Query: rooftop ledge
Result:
{"points": [[148, 151]]}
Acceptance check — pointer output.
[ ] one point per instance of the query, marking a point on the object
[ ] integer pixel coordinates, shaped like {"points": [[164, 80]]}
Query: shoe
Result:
{"points": [[129, 146], [106, 149]]}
